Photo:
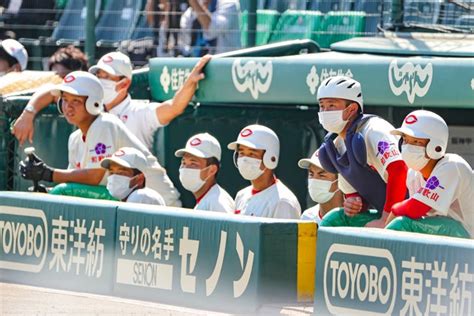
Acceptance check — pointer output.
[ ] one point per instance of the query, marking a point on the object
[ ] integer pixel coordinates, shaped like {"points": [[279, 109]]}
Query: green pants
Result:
{"points": [[433, 225], [83, 190], [337, 218]]}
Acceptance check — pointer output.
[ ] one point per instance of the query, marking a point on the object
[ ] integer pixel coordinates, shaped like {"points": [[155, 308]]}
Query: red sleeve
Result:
{"points": [[411, 208], [396, 184]]}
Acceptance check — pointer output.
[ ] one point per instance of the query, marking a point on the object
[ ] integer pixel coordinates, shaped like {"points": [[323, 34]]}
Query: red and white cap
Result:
{"points": [[114, 63], [427, 125], [423, 124], [127, 157], [16, 50], [260, 137], [84, 84], [313, 160], [202, 145]]}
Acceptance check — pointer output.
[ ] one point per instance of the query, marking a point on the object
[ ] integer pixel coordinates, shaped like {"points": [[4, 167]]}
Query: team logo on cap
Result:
{"points": [[246, 132], [195, 142], [108, 59], [411, 119], [69, 78], [119, 153]]}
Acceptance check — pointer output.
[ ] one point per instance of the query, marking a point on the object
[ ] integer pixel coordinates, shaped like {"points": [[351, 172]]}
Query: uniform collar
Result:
{"points": [[119, 108], [199, 199], [258, 191]]}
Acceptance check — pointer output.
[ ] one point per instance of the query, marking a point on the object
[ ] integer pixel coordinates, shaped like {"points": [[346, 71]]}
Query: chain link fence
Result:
{"points": [[149, 28]]}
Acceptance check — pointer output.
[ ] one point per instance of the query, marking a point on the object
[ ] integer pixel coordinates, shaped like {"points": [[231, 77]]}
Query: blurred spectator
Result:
{"points": [[66, 60], [155, 13], [164, 17], [13, 56], [191, 41], [222, 24], [27, 12]]}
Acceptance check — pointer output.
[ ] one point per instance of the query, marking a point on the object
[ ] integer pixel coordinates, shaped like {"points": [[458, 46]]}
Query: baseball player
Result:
{"points": [[441, 185], [200, 164], [115, 73], [98, 136], [256, 154], [126, 180], [13, 57], [362, 151], [322, 188]]}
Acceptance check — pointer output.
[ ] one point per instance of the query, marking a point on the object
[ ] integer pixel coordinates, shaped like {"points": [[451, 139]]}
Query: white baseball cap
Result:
{"points": [[127, 157], [114, 63], [313, 160], [16, 50], [422, 124], [202, 145]]}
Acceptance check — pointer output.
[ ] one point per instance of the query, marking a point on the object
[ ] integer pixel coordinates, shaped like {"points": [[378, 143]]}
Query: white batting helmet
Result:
{"points": [[84, 84], [341, 87], [260, 137], [427, 125]]}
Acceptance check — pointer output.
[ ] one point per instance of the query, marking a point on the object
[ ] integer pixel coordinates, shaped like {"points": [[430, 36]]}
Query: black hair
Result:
{"points": [[7, 57], [70, 57], [213, 161]]}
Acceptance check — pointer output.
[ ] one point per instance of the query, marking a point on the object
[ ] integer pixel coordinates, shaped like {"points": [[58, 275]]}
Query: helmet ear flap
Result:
{"points": [[93, 107], [435, 150], [270, 159], [59, 105]]}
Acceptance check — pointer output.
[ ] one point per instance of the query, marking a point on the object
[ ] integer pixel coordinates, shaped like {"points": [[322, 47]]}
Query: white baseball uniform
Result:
{"points": [[139, 116], [381, 146], [146, 196], [312, 214], [276, 201], [216, 199], [105, 136], [449, 190]]}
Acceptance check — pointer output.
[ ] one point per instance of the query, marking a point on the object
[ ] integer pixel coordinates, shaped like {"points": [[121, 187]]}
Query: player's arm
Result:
{"points": [[84, 176], [396, 184], [33, 168], [411, 208], [23, 129], [170, 109], [395, 191]]}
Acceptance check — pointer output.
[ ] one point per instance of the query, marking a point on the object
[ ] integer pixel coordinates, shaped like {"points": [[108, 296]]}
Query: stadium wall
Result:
{"points": [[161, 254]]}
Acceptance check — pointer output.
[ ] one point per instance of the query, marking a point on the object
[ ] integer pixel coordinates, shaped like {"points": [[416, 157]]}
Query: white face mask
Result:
{"points": [[332, 121], [109, 90], [118, 186], [414, 156], [3, 73], [191, 179], [249, 168], [319, 190]]}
